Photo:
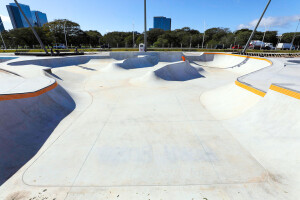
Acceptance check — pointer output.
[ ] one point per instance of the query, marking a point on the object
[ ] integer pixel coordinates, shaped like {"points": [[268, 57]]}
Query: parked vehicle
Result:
{"points": [[219, 46], [269, 46], [256, 44], [237, 47], [60, 46], [104, 46], [285, 46]]}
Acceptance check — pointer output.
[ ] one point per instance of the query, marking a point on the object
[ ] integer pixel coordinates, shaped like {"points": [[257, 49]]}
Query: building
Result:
{"points": [[162, 23], [36, 18], [1, 25], [39, 18]]}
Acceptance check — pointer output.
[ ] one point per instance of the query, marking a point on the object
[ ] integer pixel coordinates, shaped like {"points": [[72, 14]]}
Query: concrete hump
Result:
{"points": [[180, 71]]}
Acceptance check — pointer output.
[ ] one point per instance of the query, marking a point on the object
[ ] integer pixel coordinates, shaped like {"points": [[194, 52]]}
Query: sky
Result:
{"points": [[127, 15]]}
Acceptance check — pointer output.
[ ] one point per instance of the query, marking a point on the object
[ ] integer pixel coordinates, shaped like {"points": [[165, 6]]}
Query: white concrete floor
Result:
{"points": [[138, 134]]}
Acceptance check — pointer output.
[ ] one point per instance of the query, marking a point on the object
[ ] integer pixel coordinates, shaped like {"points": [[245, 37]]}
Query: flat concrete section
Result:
{"points": [[150, 126], [283, 72]]}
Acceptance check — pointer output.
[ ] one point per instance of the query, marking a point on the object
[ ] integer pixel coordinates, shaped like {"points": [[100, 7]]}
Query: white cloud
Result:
{"points": [[284, 21], [6, 22]]}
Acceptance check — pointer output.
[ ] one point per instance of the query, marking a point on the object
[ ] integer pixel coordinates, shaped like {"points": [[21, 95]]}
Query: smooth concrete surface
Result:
{"points": [[150, 126]]}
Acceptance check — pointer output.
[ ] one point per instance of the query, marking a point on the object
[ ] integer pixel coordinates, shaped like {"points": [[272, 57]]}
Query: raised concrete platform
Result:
{"points": [[150, 126]]}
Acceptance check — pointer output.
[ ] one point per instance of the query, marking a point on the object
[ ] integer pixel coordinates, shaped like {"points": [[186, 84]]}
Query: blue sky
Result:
{"points": [[120, 15]]}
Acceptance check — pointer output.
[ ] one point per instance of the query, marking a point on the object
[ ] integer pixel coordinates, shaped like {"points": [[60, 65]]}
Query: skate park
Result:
{"points": [[149, 125]]}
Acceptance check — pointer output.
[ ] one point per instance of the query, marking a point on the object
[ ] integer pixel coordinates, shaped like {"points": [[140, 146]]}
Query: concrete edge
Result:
{"points": [[264, 59], [285, 91], [251, 89], [28, 95]]}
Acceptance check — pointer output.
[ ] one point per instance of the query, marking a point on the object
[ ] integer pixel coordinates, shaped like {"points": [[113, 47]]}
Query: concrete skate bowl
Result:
{"points": [[27, 120], [161, 56], [59, 62], [231, 100], [180, 71], [235, 63]]}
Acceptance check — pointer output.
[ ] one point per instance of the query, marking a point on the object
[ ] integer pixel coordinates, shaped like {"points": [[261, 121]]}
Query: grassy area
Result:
{"points": [[149, 49]]}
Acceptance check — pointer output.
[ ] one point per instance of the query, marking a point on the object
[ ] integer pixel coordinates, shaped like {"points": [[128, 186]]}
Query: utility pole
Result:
{"points": [[145, 23], [2, 38], [34, 32], [294, 36], [253, 32], [65, 34], [203, 34], [264, 37], [133, 40]]}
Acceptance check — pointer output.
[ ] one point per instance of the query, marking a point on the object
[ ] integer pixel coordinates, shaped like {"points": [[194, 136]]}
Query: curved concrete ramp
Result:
{"points": [[165, 132], [180, 71], [25, 125]]}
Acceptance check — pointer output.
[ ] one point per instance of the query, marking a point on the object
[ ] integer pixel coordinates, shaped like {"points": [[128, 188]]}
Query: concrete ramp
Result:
{"points": [[180, 71], [25, 125], [151, 126]]}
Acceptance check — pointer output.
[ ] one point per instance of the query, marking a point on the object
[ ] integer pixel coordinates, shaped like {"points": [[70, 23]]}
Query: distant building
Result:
{"points": [[39, 18], [1, 25], [162, 23], [35, 18]]}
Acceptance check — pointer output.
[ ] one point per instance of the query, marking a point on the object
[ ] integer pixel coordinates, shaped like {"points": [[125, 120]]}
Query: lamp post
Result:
{"points": [[294, 36], [203, 35], [145, 24], [34, 32], [253, 32], [65, 34], [2, 37]]}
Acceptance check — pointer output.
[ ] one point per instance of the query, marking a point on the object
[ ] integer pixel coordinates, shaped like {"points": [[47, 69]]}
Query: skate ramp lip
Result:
{"points": [[227, 61], [58, 62]]}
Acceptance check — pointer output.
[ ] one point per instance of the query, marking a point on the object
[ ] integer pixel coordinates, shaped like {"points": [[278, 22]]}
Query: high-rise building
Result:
{"points": [[36, 18], [39, 18], [1, 25], [162, 23], [16, 17]]}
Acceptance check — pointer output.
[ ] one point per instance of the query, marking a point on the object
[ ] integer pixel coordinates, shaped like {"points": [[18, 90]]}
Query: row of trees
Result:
{"points": [[54, 33]]}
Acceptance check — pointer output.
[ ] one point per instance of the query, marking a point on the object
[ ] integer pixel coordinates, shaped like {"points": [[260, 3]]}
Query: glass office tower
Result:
{"points": [[162, 23], [1, 25], [16, 17], [39, 18]]}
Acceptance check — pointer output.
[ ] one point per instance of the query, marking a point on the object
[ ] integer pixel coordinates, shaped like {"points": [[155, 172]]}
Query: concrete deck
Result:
{"points": [[154, 127]]}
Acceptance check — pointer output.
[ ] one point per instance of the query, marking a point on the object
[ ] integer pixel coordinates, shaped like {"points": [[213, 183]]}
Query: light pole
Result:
{"points": [[65, 34], [145, 23], [294, 36], [203, 35], [2, 37], [34, 32], [253, 32], [133, 41]]}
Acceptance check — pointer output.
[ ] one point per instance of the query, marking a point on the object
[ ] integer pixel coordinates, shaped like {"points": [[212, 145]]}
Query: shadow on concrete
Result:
{"points": [[26, 124], [59, 62]]}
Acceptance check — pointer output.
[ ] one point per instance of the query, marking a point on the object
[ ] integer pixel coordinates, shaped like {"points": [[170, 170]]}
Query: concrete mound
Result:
{"points": [[141, 61], [180, 71], [25, 125]]}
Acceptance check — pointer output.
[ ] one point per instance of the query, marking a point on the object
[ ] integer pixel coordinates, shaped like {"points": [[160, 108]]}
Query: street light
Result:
{"points": [[145, 24], [65, 34], [2, 37], [294, 36]]}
